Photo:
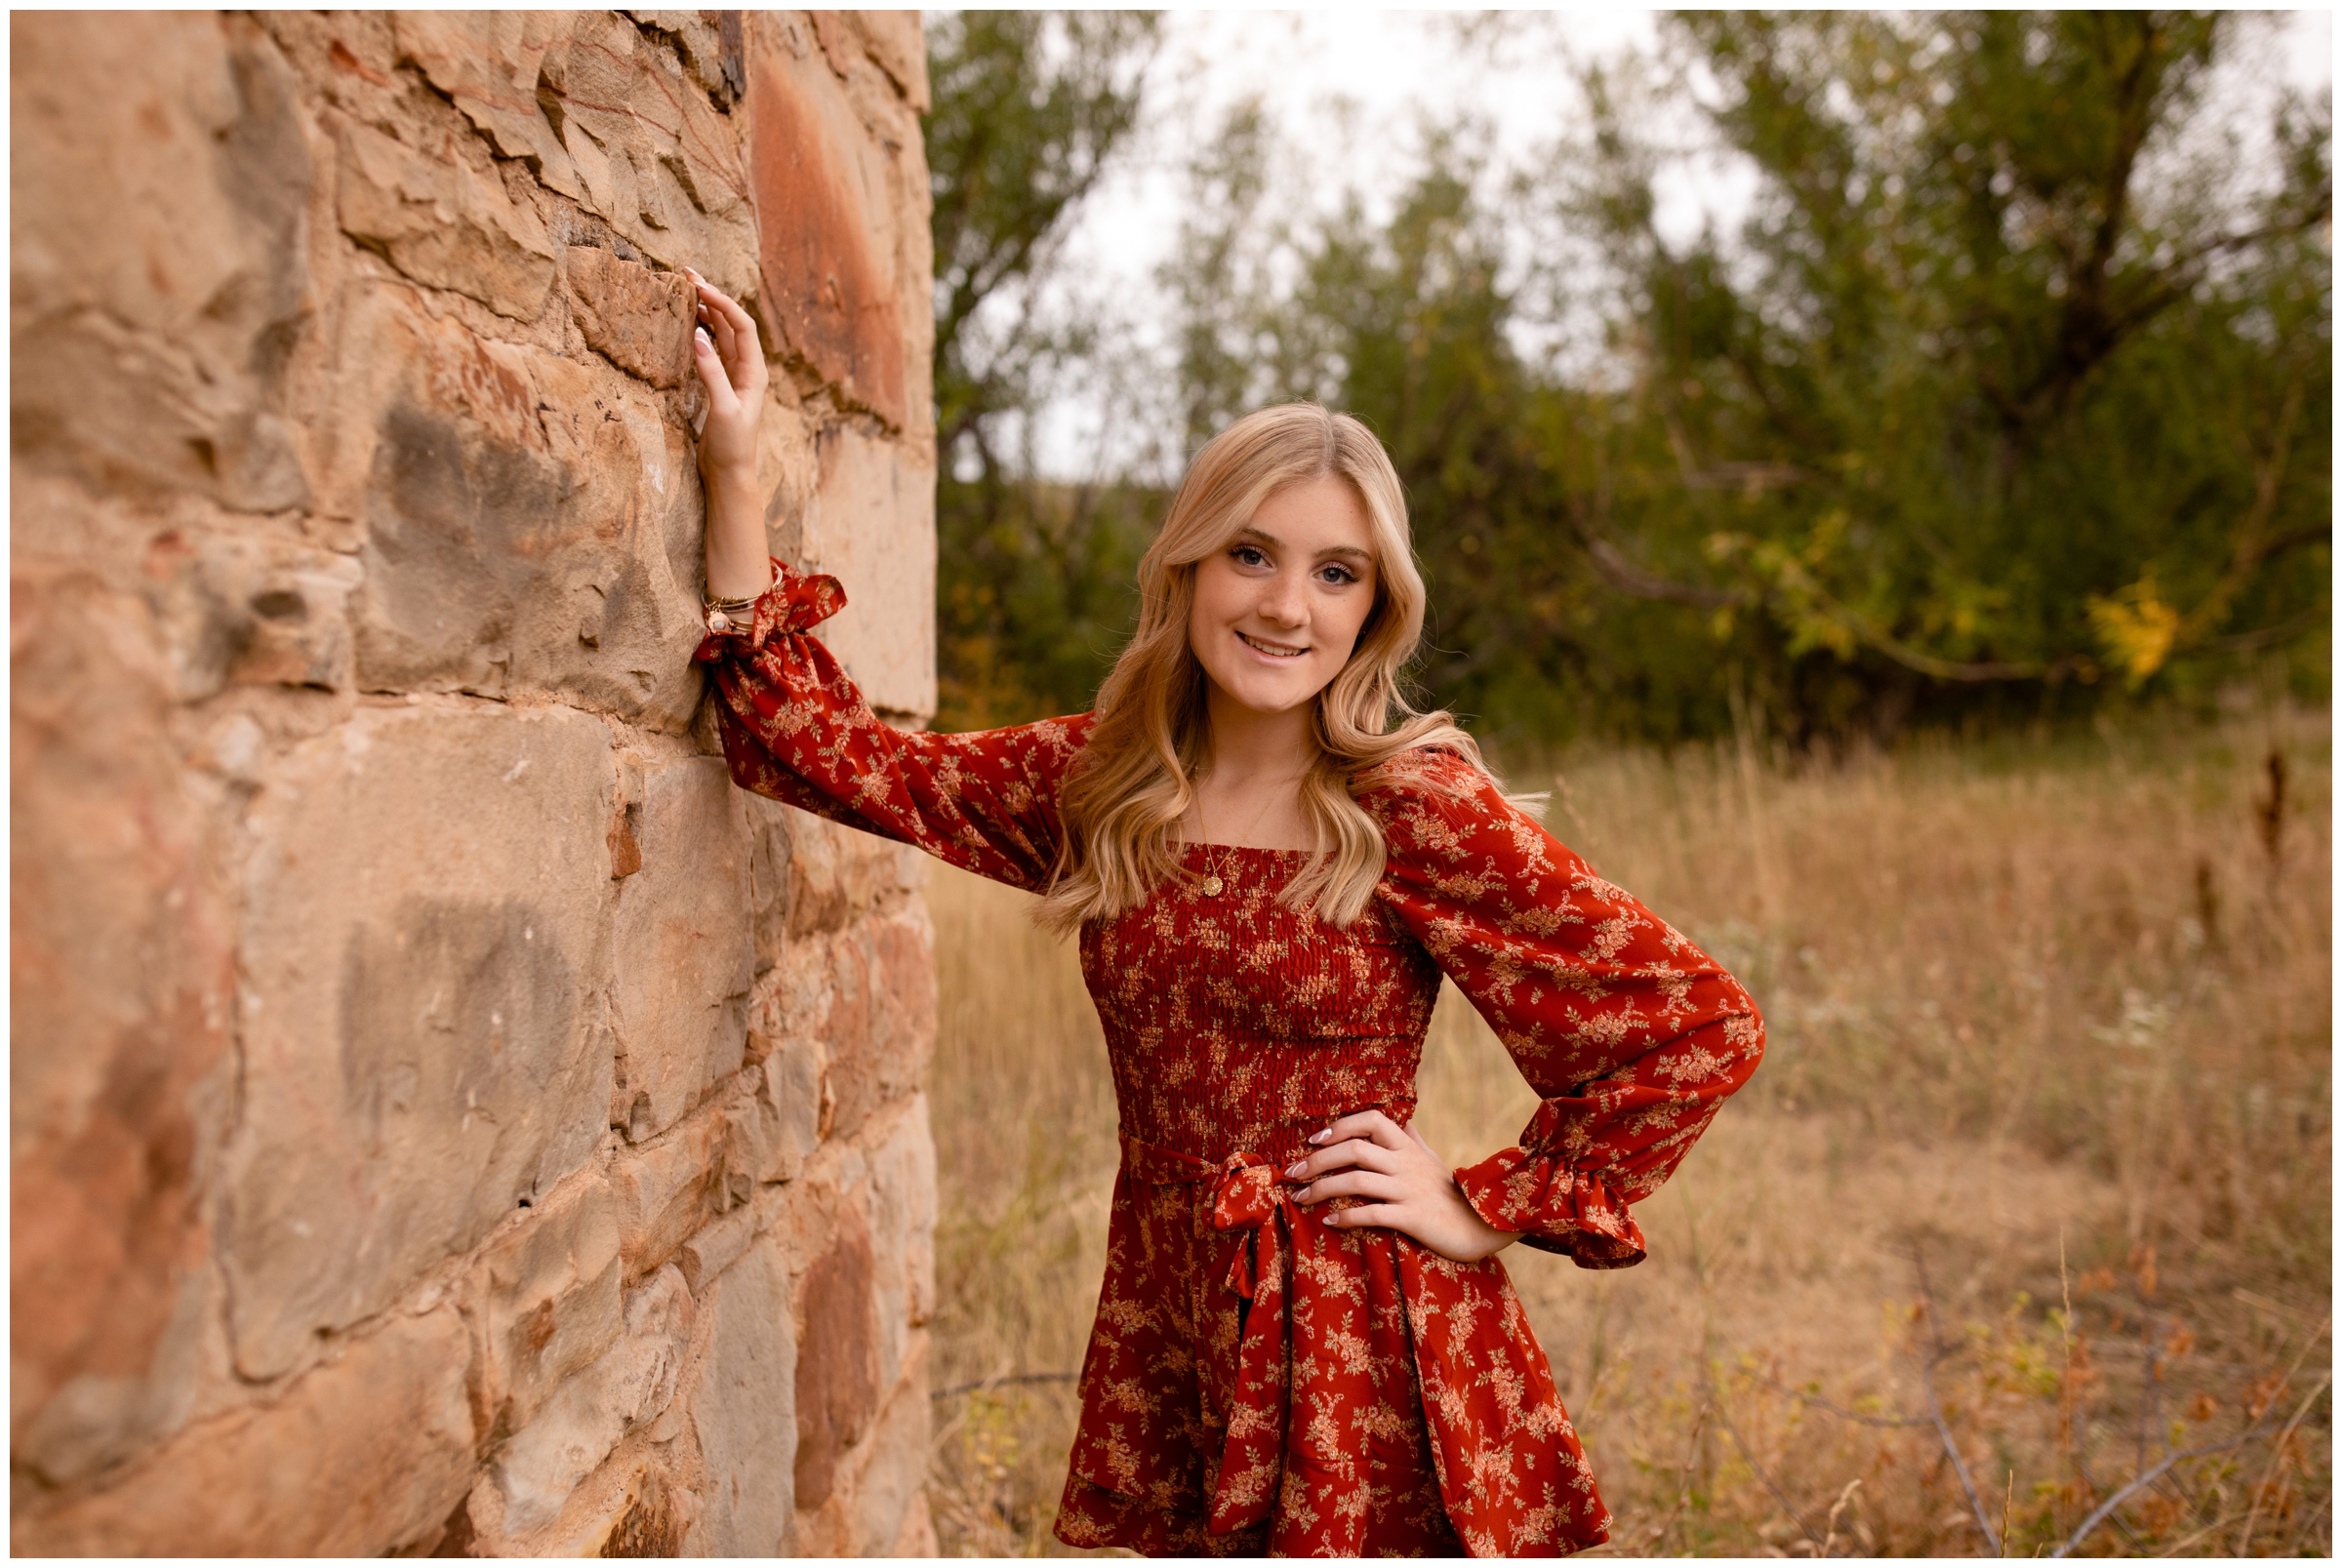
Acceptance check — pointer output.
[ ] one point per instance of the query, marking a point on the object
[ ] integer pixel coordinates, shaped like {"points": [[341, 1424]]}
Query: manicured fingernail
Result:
{"points": [[1321, 1137], [700, 333], [1297, 1167]]}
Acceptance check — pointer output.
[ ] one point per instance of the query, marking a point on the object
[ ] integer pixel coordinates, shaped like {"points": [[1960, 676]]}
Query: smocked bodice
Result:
{"points": [[1237, 1024]]}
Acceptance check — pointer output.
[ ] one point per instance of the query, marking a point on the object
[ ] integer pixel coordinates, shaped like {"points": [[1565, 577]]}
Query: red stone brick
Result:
{"points": [[829, 284], [837, 1384]]}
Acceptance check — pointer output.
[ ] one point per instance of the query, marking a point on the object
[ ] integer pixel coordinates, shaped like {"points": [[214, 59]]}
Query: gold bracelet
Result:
{"points": [[729, 615]]}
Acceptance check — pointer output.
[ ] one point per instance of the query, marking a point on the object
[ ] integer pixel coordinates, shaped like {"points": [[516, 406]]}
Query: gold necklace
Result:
{"points": [[1212, 884]]}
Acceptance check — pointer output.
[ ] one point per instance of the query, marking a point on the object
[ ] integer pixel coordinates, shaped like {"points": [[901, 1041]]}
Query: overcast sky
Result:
{"points": [[1347, 90]]}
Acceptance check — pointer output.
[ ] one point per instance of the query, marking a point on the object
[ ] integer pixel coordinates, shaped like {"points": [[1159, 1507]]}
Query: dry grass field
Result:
{"points": [[2027, 1213]]}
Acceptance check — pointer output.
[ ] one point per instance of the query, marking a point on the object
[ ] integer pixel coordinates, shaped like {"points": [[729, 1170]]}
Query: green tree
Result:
{"points": [[2014, 378]]}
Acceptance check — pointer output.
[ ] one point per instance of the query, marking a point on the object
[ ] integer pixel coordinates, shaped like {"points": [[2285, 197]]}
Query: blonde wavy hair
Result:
{"points": [[1136, 777]]}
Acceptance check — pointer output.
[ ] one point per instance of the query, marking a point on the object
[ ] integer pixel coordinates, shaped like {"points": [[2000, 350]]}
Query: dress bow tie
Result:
{"points": [[1248, 1198]]}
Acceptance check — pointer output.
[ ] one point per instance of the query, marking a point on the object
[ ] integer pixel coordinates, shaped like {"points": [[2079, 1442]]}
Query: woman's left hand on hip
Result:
{"points": [[1404, 1188]]}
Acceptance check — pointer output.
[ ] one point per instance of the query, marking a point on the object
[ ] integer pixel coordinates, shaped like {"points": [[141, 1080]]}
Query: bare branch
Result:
{"points": [[1935, 1411], [1911, 657], [2269, 637], [1628, 578], [2148, 1478]]}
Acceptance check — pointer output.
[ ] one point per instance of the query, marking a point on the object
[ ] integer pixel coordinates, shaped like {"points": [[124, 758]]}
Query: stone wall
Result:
{"points": [[447, 1116]]}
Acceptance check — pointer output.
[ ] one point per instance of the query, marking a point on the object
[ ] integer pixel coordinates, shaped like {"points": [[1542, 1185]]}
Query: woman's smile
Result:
{"points": [[1272, 650]]}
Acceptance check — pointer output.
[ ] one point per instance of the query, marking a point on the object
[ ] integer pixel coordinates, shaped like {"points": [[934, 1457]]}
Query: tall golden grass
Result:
{"points": [[2028, 1211]]}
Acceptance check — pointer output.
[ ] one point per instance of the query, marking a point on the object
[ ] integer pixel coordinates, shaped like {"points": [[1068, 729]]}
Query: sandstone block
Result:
{"points": [[836, 873], [251, 610], [872, 525], [902, 1171], [793, 1003], [831, 279], [122, 979], [359, 1457], [487, 62], [892, 41], [585, 1416], [425, 941], [158, 184], [640, 320], [684, 949], [445, 224], [654, 157], [717, 1247], [782, 1118], [880, 1493], [532, 524], [868, 995], [892, 1473], [769, 879], [98, 1419], [741, 1411], [549, 1295], [835, 41], [692, 1173], [709, 44], [916, 1538]]}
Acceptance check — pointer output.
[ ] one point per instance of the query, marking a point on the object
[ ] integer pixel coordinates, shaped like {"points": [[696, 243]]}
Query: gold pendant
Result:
{"points": [[1211, 887]]}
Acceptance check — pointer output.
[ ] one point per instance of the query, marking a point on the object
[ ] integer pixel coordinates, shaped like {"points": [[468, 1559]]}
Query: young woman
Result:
{"points": [[1305, 1342]]}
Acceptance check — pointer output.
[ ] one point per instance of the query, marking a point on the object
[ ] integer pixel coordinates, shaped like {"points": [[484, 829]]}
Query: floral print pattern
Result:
{"points": [[1257, 1380]]}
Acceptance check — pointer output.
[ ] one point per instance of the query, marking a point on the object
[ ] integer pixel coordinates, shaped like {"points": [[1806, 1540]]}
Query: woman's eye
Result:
{"points": [[1246, 555], [1337, 574]]}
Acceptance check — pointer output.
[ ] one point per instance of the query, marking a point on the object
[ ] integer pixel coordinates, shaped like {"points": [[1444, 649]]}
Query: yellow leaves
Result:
{"points": [[2136, 627], [1820, 631]]}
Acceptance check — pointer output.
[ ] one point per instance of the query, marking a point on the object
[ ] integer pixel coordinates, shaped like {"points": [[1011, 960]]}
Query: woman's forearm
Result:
{"points": [[739, 566]]}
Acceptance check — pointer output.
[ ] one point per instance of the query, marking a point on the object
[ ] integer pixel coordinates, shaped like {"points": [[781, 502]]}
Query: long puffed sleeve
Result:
{"points": [[796, 729], [1631, 1035]]}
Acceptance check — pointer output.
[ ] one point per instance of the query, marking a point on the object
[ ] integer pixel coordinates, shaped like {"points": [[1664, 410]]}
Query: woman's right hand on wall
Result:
{"points": [[730, 360]]}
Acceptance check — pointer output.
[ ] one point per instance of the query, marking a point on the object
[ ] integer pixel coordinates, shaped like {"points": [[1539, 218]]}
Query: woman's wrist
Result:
{"points": [[1488, 1240], [738, 567]]}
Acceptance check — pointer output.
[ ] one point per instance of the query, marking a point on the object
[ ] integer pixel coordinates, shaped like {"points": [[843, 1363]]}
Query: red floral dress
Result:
{"points": [[1258, 1381]]}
